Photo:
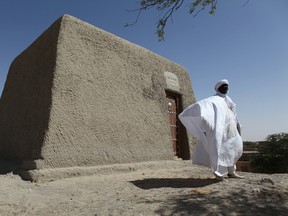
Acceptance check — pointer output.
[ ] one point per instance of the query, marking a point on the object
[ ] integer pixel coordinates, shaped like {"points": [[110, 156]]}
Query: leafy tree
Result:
{"points": [[168, 7], [273, 155]]}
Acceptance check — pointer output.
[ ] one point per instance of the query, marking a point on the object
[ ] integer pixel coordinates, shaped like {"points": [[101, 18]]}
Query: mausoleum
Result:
{"points": [[79, 96]]}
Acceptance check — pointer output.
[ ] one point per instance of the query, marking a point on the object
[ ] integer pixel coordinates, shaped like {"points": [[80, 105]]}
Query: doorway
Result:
{"points": [[179, 137]]}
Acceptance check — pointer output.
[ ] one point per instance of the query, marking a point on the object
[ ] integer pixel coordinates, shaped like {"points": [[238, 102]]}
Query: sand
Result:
{"points": [[181, 189]]}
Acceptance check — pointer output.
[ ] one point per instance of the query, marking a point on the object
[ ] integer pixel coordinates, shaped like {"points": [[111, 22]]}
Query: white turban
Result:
{"points": [[221, 82]]}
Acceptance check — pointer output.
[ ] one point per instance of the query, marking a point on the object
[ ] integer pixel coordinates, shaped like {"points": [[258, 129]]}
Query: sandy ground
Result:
{"points": [[183, 189]]}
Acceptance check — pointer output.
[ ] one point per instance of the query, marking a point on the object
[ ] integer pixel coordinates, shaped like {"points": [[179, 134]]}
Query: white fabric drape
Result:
{"points": [[213, 122]]}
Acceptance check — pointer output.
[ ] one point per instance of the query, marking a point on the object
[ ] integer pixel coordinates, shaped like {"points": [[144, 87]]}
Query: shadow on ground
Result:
{"points": [[7, 167], [229, 201], [237, 203], [173, 183]]}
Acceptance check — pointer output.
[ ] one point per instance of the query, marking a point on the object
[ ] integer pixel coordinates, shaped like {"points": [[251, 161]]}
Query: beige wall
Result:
{"points": [[80, 96]]}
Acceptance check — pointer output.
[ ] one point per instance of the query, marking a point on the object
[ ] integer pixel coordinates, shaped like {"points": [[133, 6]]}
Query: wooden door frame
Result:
{"points": [[182, 138]]}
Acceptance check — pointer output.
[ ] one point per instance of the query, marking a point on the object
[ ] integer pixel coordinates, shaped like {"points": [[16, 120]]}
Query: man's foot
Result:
{"points": [[235, 175], [218, 178]]}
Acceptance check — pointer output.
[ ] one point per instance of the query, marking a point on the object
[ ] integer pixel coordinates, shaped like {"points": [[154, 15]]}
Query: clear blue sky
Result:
{"points": [[246, 45]]}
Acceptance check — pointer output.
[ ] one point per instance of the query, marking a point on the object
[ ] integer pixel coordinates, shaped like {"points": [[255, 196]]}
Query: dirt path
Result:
{"points": [[181, 190]]}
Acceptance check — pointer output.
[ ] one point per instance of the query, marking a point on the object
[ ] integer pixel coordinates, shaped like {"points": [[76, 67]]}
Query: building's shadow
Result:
{"points": [[8, 167]]}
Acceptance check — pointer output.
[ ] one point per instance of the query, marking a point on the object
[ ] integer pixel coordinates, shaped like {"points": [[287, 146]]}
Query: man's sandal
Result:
{"points": [[234, 175]]}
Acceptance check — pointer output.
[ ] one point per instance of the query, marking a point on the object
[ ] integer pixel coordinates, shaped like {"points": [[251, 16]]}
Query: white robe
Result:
{"points": [[213, 122]]}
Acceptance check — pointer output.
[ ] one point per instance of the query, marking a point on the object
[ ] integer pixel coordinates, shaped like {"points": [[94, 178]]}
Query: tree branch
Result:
{"points": [[169, 7]]}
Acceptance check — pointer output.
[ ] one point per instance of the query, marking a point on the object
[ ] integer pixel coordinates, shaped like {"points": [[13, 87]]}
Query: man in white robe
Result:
{"points": [[213, 121]]}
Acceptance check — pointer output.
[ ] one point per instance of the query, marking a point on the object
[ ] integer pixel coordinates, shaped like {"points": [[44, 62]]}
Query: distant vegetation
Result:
{"points": [[273, 154], [252, 146]]}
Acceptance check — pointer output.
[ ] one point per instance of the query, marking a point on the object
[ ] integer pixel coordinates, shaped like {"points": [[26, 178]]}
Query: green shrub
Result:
{"points": [[273, 155]]}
